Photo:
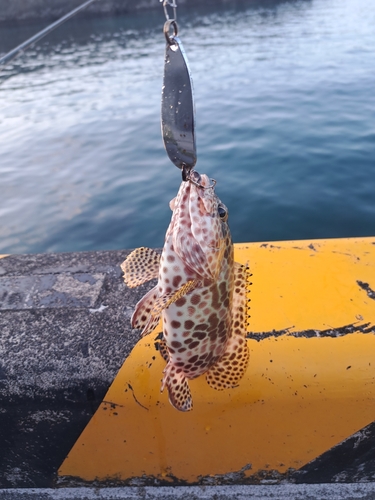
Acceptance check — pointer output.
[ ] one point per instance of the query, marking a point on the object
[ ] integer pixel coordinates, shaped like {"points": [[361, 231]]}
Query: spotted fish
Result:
{"points": [[200, 294]]}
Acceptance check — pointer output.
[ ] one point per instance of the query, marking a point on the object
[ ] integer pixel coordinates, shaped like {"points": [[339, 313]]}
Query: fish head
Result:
{"points": [[199, 227]]}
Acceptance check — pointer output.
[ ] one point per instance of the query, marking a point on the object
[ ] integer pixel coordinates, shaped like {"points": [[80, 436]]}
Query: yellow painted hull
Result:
{"points": [[309, 386]]}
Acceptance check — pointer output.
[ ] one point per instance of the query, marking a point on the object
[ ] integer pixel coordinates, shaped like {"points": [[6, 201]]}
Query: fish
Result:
{"points": [[200, 294]]}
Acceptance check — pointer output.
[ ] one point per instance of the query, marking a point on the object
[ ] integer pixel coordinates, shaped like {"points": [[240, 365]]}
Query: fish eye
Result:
{"points": [[223, 213]]}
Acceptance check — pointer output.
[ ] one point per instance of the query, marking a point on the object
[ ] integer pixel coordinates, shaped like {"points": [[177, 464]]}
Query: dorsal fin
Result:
{"points": [[239, 305], [229, 370], [141, 265]]}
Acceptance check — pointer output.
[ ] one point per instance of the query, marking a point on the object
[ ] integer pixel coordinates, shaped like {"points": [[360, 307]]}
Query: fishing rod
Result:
{"points": [[25, 45]]}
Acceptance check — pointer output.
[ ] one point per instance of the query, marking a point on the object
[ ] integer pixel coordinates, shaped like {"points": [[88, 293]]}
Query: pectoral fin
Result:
{"points": [[169, 298], [140, 266]]}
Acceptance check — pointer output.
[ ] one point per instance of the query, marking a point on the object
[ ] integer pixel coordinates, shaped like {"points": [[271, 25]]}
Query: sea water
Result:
{"points": [[285, 123]]}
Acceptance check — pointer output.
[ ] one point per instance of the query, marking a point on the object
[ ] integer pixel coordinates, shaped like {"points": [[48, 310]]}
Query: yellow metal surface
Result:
{"points": [[304, 391]]}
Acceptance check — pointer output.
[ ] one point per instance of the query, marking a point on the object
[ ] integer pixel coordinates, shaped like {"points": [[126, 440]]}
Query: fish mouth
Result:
{"points": [[195, 178]]}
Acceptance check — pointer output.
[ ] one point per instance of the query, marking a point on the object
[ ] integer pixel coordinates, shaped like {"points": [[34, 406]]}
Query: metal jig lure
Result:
{"points": [[177, 104]]}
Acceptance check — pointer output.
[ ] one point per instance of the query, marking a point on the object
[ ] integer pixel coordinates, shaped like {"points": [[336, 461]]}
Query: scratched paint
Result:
{"points": [[302, 394]]}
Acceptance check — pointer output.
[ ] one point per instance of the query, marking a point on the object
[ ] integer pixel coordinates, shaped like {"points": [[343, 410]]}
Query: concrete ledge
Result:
{"points": [[65, 332]]}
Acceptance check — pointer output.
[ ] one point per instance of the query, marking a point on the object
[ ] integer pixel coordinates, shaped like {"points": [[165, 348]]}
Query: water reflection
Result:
{"points": [[284, 103]]}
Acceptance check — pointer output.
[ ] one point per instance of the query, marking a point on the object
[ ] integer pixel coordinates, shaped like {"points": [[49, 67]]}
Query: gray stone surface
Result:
{"points": [[64, 319], [64, 333], [50, 290], [361, 491]]}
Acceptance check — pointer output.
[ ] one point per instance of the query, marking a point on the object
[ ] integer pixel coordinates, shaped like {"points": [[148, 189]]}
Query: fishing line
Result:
{"points": [[25, 45]]}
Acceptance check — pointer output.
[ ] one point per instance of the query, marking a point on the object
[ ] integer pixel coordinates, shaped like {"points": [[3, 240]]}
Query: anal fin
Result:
{"points": [[140, 266], [178, 388], [163, 349]]}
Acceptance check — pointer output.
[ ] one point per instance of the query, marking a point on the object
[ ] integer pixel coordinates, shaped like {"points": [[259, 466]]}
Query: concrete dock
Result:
{"points": [[65, 332]]}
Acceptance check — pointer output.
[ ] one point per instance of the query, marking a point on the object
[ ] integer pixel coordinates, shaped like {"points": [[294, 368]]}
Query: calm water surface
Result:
{"points": [[285, 103]]}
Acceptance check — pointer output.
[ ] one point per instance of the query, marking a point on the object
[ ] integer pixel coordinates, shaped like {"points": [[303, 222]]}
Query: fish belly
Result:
{"points": [[197, 328]]}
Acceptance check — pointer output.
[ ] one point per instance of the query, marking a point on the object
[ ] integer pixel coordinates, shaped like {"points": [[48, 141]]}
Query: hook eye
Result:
{"points": [[166, 29]]}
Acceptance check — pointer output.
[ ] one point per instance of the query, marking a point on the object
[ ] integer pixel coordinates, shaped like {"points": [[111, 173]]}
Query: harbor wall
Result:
{"points": [[50, 10]]}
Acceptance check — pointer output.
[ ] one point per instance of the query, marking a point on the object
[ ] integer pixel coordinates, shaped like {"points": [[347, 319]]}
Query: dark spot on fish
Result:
{"points": [[176, 281], [193, 359], [223, 290], [175, 324], [199, 335], [189, 324], [202, 326], [213, 320], [195, 299], [215, 298], [213, 335]]}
